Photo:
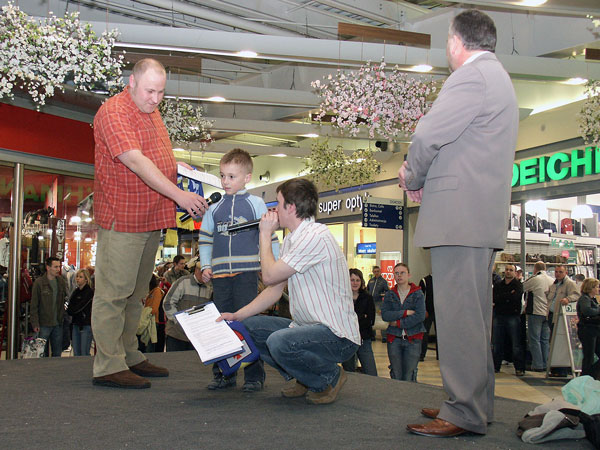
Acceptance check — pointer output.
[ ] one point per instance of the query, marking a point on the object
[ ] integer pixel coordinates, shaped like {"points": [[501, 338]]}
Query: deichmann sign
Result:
{"points": [[559, 166]]}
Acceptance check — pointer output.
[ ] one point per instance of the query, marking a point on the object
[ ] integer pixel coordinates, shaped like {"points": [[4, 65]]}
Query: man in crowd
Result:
{"points": [[508, 297], [562, 292], [324, 330], [177, 271], [377, 287], [538, 330], [463, 215], [48, 297], [134, 198]]}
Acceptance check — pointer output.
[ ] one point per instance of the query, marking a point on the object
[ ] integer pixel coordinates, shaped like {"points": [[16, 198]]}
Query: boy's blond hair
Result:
{"points": [[240, 157]]}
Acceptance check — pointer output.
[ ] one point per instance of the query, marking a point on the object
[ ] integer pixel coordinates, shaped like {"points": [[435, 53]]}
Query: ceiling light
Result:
{"points": [[216, 98], [533, 2], [247, 54], [179, 150], [75, 219], [575, 81], [88, 239], [279, 155], [422, 68], [310, 135]]}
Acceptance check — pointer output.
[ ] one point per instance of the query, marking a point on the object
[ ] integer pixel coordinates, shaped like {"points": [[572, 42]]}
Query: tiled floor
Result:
{"points": [[533, 387]]}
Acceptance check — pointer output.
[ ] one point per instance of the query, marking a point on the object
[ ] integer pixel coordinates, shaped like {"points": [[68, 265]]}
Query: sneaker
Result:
{"points": [[252, 386], [125, 379], [520, 373], [328, 395], [294, 389], [221, 382], [147, 369]]}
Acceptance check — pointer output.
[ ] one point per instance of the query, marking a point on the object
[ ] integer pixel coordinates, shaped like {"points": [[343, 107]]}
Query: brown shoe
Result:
{"points": [[294, 389], [125, 379], [430, 413], [436, 428], [328, 395], [147, 369]]}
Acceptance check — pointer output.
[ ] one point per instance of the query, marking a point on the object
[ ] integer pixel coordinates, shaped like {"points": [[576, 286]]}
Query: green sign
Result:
{"points": [[564, 243], [559, 166]]}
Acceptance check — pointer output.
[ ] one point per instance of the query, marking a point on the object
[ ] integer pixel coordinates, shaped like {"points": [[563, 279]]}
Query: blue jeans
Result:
{"points": [[404, 358], [54, 336], [177, 345], [367, 360], [82, 340], [539, 340], [308, 353], [229, 295], [507, 327]]}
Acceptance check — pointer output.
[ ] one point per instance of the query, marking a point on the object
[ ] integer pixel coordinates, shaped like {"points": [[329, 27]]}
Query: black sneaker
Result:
{"points": [[252, 386], [221, 383]]}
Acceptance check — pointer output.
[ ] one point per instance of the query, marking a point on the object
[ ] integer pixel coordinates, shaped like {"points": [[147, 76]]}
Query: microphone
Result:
{"points": [[243, 226], [214, 198]]}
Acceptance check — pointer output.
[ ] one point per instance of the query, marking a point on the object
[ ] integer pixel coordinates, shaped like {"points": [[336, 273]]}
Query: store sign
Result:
{"points": [[366, 248], [559, 166], [57, 247], [562, 243], [347, 204]]}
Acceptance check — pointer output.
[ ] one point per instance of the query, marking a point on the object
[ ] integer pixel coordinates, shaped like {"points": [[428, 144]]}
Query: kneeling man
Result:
{"points": [[324, 330]]}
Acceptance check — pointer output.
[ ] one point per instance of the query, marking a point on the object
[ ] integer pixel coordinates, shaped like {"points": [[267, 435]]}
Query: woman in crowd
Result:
{"points": [[404, 308], [364, 306], [80, 309], [588, 328]]}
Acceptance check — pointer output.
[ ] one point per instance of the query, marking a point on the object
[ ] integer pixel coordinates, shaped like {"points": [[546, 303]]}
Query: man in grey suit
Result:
{"points": [[459, 168]]}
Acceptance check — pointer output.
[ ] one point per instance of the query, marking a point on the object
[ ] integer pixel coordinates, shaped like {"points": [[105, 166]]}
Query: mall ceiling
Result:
{"points": [[268, 97]]}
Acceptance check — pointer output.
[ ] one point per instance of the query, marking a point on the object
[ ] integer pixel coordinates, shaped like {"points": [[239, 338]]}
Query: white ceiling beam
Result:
{"points": [[569, 7]]}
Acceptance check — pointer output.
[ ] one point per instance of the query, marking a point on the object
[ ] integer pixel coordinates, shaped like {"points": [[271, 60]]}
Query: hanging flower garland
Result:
{"points": [[333, 168], [40, 56], [589, 116], [390, 104], [185, 122]]}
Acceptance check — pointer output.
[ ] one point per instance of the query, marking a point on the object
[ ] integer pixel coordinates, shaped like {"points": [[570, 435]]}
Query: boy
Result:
{"points": [[232, 261]]}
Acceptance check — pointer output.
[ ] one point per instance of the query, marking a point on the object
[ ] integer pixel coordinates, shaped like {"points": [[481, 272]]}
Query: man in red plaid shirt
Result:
{"points": [[134, 195]]}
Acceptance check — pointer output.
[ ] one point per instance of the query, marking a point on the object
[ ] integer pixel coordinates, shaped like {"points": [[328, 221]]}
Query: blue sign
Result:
{"points": [[383, 213], [366, 248]]}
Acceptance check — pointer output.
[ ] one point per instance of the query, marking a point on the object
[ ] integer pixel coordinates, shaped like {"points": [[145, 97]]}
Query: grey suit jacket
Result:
{"points": [[462, 154]]}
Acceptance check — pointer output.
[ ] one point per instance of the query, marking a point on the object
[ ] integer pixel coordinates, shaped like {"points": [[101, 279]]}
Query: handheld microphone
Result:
{"points": [[243, 226], [214, 198]]}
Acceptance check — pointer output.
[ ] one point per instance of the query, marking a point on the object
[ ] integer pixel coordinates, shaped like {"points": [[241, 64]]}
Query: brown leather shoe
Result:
{"points": [[328, 395], [125, 379], [430, 413], [436, 428], [147, 369], [294, 389]]}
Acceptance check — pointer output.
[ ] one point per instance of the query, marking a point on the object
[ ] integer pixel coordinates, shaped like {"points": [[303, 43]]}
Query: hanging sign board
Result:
{"points": [[383, 213]]}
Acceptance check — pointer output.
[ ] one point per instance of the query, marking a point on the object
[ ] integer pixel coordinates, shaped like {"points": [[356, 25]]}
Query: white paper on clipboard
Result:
{"points": [[212, 340]]}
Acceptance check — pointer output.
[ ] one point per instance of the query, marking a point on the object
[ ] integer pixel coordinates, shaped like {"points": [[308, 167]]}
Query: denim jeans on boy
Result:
{"points": [[54, 337], [82, 340], [177, 345], [507, 327], [308, 353], [404, 358], [539, 340], [229, 295]]}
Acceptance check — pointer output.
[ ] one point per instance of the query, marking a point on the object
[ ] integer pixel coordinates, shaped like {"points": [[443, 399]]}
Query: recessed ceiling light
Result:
{"points": [[247, 54], [533, 2], [279, 155], [575, 81], [422, 68], [310, 135], [216, 98]]}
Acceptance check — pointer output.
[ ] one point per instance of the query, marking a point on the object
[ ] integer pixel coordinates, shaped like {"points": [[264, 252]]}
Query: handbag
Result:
{"points": [[33, 347]]}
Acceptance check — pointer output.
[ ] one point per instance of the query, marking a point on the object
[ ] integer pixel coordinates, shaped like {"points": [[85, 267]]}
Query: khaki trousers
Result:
{"points": [[124, 265]]}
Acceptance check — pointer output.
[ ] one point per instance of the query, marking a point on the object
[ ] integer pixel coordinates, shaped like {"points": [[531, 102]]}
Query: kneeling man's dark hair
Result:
{"points": [[303, 194]]}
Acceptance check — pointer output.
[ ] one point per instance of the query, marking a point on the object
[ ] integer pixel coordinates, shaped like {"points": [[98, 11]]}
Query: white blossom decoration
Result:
{"points": [[41, 56], [184, 122], [390, 104], [589, 116], [333, 168]]}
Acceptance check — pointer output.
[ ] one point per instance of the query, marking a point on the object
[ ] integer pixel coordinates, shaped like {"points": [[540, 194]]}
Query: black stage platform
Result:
{"points": [[51, 404]]}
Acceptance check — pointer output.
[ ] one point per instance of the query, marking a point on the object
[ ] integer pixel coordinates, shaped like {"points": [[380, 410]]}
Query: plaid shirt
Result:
{"points": [[120, 196]]}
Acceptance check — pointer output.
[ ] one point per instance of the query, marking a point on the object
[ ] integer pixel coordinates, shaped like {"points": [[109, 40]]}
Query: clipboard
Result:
{"points": [[212, 340]]}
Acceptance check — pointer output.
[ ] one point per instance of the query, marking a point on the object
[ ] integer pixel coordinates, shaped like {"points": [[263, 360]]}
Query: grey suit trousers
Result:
{"points": [[462, 283]]}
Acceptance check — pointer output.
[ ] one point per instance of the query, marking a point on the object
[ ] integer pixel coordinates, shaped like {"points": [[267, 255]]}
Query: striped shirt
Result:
{"points": [[320, 291]]}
